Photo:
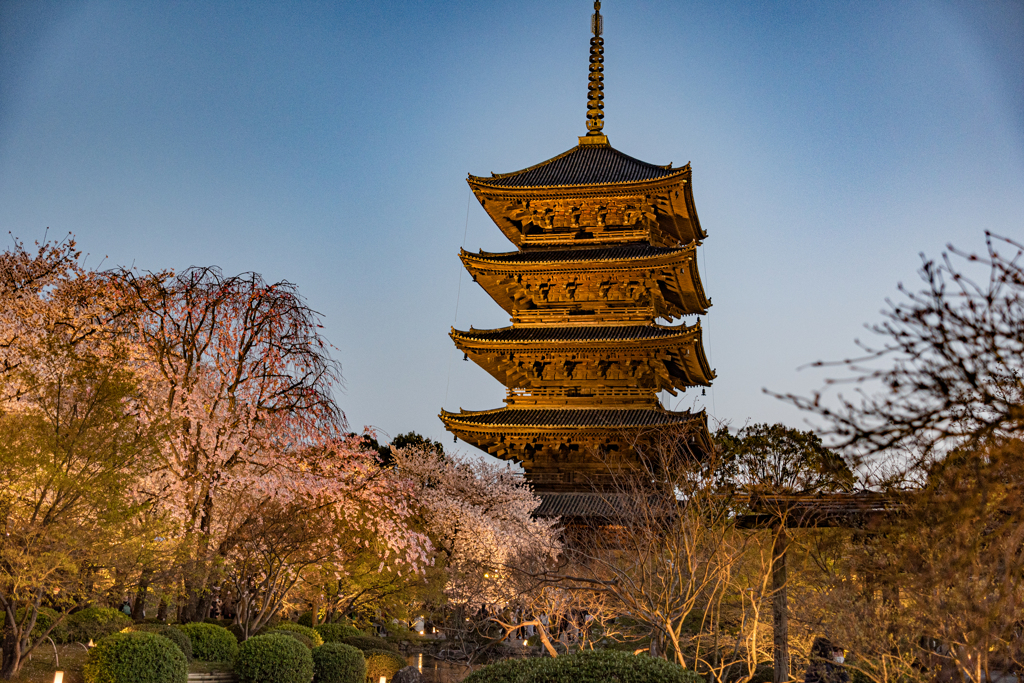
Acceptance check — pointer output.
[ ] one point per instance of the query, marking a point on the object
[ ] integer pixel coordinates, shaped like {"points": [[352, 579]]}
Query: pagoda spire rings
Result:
{"points": [[595, 90], [605, 261]]}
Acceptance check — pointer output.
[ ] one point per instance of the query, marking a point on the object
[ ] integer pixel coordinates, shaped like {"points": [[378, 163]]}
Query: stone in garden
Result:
{"points": [[408, 675]]}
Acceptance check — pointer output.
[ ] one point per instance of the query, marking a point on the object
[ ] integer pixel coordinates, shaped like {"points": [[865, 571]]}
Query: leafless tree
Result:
{"points": [[666, 545], [949, 371]]}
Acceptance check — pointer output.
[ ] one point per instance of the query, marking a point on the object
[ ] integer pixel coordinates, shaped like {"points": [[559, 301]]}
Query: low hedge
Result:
{"points": [[338, 663], [333, 633], [175, 635], [135, 657], [310, 633], [601, 666], [382, 663], [274, 657], [210, 642], [93, 623], [365, 643]]}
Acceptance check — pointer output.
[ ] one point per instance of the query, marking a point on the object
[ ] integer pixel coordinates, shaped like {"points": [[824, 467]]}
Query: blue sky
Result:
{"points": [[327, 143]]}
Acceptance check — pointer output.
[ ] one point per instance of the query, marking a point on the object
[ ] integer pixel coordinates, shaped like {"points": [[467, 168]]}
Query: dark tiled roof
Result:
{"points": [[577, 505], [633, 251], [581, 165], [572, 417], [577, 333]]}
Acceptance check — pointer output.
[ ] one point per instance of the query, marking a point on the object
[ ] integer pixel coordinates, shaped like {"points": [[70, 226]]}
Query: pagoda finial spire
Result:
{"points": [[595, 94]]}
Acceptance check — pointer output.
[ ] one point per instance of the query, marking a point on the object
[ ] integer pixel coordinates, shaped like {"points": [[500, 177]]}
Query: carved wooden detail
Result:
{"points": [[637, 263]]}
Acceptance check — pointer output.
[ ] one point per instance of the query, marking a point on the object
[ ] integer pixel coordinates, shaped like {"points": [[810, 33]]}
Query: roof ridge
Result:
{"points": [[581, 252], [507, 409], [596, 160], [529, 168], [592, 333]]}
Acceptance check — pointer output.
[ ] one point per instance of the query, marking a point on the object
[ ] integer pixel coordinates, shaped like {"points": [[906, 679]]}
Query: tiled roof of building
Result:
{"points": [[632, 251], [581, 165], [572, 417], [576, 333], [577, 504]]}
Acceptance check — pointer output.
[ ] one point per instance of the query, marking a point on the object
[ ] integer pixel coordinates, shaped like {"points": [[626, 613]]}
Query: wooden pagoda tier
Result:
{"points": [[614, 284], [589, 364], [606, 245], [592, 195], [566, 449]]}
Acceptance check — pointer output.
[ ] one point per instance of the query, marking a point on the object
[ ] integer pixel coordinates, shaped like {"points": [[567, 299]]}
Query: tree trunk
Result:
{"points": [[139, 608], [12, 655], [161, 611], [780, 608]]}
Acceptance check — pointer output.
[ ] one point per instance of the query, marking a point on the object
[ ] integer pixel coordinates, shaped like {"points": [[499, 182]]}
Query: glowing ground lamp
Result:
{"points": [[58, 677]]}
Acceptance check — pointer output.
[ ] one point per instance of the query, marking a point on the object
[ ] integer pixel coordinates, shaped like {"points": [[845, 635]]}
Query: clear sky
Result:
{"points": [[327, 143]]}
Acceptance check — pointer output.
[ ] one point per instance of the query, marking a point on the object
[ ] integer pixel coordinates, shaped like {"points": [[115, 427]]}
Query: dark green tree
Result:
{"points": [[406, 440], [773, 465]]}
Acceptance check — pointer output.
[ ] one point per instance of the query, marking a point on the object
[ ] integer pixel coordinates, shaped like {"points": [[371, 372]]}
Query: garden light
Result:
{"points": [[58, 677]]}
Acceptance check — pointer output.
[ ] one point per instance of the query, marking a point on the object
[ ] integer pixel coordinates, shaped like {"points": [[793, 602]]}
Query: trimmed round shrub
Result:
{"points": [[171, 633], [93, 623], [601, 666], [305, 619], [365, 643], [382, 663], [135, 657], [333, 633], [310, 633], [505, 671], [301, 637], [338, 663], [210, 642], [274, 657]]}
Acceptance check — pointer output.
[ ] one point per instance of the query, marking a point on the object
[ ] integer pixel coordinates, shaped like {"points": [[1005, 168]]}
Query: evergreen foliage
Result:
{"points": [[93, 623], [210, 642], [135, 657], [175, 635], [384, 663], [338, 663], [314, 636], [366, 643], [334, 633], [274, 657], [594, 666]]}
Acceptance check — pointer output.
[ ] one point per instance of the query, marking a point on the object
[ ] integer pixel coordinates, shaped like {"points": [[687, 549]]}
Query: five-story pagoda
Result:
{"points": [[606, 244]]}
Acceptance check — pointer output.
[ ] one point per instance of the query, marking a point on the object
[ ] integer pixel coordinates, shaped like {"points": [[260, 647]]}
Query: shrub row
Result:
{"points": [[155, 653], [601, 666]]}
